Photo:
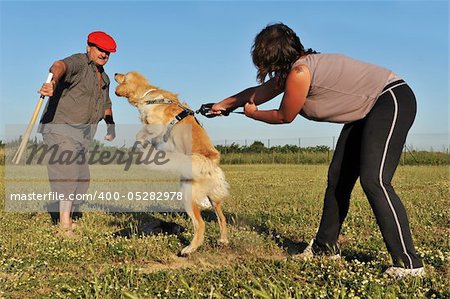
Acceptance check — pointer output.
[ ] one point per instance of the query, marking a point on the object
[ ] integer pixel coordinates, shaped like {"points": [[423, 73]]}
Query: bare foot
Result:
{"points": [[66, 230]]}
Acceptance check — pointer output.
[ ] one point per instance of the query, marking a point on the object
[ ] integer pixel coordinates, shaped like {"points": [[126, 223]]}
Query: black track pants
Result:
{"points": [[371, 149]]}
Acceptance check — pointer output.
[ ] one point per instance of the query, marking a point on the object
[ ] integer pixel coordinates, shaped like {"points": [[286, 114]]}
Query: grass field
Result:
{"points": [[273, 212]]}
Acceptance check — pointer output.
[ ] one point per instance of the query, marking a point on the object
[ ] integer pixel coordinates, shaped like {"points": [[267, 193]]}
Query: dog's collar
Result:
{"points": [[147, 92], [161, 101], [158, 100]]}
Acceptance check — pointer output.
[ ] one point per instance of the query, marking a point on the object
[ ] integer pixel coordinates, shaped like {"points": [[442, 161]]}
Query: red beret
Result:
{"points": [[102, 41]]}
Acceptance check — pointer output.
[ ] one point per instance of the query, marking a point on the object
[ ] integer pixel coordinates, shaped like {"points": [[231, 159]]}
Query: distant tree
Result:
{"points": [[232, 148], [319, 149], [287, 148], [257, 147]]}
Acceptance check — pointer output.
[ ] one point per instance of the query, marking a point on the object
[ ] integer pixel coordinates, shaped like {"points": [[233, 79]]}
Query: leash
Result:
{"points": [[205, 108]]}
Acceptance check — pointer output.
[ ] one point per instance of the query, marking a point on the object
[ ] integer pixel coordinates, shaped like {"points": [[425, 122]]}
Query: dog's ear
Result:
{"points": [[118, 78]]}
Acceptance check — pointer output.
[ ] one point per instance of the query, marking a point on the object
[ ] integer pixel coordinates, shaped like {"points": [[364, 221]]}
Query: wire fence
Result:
{"points": [[434, 142], [419, 149]]}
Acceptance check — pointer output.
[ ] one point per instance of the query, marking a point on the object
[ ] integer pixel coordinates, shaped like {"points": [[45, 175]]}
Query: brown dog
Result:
{"points": [[171, 127]]}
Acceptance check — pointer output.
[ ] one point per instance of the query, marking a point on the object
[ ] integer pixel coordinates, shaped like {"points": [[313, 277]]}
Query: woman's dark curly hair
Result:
{"points": [[274, 51]]}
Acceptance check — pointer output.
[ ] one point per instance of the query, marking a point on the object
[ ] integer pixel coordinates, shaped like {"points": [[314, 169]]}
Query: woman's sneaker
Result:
{"points": [[310, 252], [398, 272]]}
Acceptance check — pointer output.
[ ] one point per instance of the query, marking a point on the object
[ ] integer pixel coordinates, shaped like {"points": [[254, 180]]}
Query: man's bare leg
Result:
{"points": [[65, 218]]}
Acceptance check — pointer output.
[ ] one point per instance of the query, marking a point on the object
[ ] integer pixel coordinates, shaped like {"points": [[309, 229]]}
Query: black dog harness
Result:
{"points": [[184, 113]]}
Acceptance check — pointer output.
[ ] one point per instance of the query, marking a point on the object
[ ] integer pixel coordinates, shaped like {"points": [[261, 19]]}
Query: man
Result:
{"points": [[79, 99]]}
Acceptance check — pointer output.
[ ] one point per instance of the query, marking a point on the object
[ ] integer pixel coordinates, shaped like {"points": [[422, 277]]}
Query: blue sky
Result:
{"points": [[201, 50]]}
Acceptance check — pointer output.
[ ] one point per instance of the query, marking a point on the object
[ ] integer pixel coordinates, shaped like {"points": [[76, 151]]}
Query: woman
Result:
{"points": [[377, 108]]}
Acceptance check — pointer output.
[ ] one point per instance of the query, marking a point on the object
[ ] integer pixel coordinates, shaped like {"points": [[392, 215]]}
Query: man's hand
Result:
{"points": [[110, 132], [47, 89], [58, 69], [110, 137], [111, 127]]}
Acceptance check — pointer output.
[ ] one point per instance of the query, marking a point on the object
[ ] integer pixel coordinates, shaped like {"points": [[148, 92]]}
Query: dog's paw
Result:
{"points": [[223, 242], [188, 250]]}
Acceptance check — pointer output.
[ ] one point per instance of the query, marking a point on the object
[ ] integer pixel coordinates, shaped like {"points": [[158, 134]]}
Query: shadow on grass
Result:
{"points": [[289, 246], [148, 223], [351, 255]]}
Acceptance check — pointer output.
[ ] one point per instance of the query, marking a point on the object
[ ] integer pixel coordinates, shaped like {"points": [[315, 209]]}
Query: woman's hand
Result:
{"points": [[250, 108], [217, 109]]}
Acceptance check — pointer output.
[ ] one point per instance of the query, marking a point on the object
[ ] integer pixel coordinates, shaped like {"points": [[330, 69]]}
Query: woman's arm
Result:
{"points": [[296, 91], [257, 94]]}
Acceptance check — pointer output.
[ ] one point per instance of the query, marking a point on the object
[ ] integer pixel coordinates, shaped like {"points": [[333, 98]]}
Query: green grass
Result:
{"points": [[324, 157], [273, 211]]}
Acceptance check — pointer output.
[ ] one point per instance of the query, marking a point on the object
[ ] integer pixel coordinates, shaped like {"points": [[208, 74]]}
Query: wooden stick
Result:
{"points": [[26, 136]]}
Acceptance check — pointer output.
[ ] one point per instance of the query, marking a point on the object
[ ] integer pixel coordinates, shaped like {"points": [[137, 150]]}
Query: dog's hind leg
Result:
{"points": [[217, 205], [199, 230], [194, 212]]}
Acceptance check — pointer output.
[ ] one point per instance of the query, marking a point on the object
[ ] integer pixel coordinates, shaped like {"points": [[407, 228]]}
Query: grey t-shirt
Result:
{"points": [[342, 89], [78, 99]]}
